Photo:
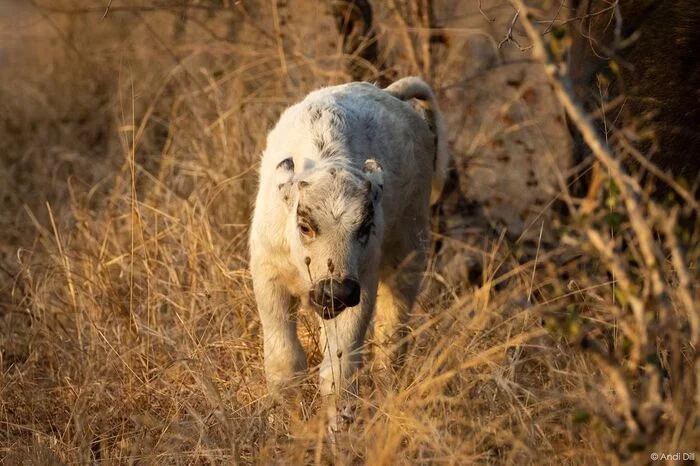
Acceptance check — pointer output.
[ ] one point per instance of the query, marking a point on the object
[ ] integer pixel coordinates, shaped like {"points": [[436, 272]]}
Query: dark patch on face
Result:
{"points": [[370, 126], [315, 114], [333, 127], [337, 118], [366, 224], [304, 214], [280, 187], [328, 152], [287, 164]]}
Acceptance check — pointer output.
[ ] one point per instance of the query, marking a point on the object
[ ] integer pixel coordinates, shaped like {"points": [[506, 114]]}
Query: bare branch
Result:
{"points": [[510, 39], [483, 13], [629, 188], [556, 17]]}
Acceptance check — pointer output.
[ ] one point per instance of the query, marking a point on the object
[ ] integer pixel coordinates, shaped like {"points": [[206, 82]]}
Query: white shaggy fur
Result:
{"points": [[346, 183]]}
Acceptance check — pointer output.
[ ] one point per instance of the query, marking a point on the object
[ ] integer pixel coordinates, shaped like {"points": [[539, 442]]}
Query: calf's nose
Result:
{"points": [[337, 294]]}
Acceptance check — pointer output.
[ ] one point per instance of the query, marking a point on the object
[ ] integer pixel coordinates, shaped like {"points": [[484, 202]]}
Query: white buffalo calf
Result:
{"points": [[341, 224]]}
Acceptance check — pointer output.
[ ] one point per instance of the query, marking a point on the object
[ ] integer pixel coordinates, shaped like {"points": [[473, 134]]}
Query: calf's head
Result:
{"points": [[334, 229]]}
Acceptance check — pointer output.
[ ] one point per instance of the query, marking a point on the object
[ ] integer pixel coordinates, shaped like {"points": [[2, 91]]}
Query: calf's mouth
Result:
{"points": [[328, 312], [331, 297]]}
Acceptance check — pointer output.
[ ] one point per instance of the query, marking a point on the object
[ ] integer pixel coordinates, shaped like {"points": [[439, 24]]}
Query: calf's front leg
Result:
{"points": [[284, 357], [341, 341]]}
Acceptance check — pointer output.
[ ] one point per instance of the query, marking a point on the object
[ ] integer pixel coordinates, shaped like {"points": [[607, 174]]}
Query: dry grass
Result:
{"points": [[129, 332]]}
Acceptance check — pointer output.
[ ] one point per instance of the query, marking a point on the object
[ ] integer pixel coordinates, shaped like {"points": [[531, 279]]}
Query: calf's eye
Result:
{"points": [[307, 231]]}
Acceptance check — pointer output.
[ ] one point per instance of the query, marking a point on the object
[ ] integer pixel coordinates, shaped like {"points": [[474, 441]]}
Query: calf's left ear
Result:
{"points": [[284, 174], [375, 178]]}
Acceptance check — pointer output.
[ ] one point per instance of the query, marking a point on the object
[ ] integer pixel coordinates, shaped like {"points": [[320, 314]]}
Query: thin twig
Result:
{"points": [[622, 279], [58, 30], [280, 37], [410, 49], [107, 9], [534, 265], [509, 35], [667, 224], [576, 18], [483, 13], [556, 17], [161, 8], [657, 172]]}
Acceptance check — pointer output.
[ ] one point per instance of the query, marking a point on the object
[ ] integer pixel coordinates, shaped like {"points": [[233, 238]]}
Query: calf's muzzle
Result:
{"points": [[330, 297]]}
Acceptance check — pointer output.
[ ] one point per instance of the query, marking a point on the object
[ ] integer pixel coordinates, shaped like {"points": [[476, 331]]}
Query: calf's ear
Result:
{"points": [[284, 174], [375, 178]]}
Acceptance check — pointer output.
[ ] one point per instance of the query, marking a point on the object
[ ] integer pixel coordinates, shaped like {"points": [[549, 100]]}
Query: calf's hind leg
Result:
{"points": [[398, 290]]}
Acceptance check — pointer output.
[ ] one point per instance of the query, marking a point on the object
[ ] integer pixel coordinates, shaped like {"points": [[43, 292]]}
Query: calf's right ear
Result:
{"points": [[375, 178], [284, 173]]}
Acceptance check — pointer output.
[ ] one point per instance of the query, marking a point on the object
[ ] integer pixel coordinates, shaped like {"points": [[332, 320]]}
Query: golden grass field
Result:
{"points": [[128, 330]]}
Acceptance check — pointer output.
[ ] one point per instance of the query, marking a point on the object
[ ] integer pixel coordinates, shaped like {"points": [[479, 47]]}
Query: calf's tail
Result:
{"points": [[415, 88]]}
